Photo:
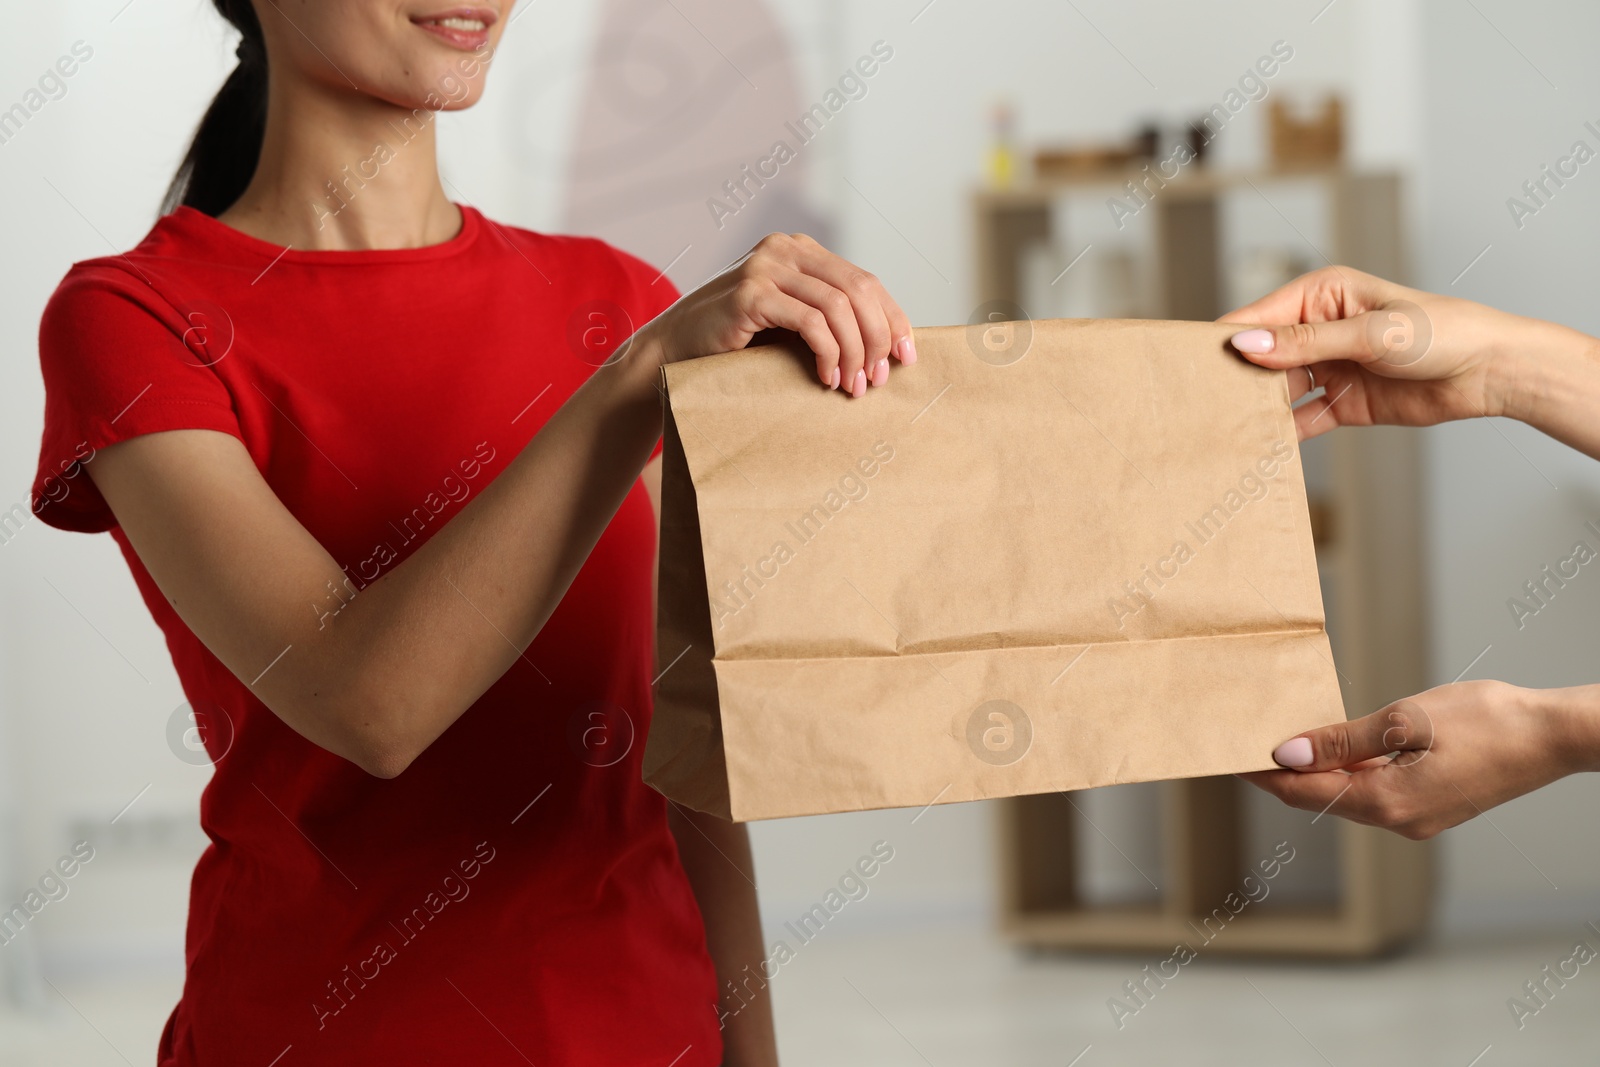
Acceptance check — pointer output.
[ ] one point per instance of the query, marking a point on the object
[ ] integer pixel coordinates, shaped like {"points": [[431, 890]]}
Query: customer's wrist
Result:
{"points": [[1570, 720], [1531, 363]]}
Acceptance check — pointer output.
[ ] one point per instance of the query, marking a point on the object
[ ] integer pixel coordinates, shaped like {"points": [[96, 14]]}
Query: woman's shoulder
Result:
{"points": [[143, 275], [590, 259]]}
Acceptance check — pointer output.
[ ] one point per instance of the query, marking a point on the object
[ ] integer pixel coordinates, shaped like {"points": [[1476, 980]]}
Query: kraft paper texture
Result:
{"points": [[1048, 556]]}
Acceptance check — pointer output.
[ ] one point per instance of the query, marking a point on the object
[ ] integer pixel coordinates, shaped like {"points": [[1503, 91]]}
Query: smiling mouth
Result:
{"points": [[464, 29], [470, 25]]}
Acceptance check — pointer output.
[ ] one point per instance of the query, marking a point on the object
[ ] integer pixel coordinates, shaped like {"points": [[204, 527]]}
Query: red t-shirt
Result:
{"points": [[515, 895]]}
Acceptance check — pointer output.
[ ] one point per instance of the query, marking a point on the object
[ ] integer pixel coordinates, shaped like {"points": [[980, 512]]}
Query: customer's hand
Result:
{"points": [[1458, 751], [1383, 353], [789, 281]]}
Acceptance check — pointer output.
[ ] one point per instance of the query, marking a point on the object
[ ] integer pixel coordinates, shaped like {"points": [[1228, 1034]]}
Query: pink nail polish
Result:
{"points": [[908, 352], [1295, 752], [833, 379], [1256, 342], [858, 385], [880, 373]]}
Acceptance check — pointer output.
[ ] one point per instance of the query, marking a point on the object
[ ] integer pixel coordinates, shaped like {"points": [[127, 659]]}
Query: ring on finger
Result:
{"points": [[1311, 380]]}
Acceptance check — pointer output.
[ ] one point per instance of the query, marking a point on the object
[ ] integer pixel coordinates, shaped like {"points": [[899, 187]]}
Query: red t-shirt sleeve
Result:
{"points": [[116, 365], [653, 293]]}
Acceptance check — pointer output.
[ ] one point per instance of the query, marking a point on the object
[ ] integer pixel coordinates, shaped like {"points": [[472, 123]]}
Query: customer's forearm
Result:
{"points": [[1549, 377]]}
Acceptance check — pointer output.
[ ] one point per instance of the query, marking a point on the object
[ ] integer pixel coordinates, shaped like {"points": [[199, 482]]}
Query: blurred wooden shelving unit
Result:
{"points": [[1367, 523]]}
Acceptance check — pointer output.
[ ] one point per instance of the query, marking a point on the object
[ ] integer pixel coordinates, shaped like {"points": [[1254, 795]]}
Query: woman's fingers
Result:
{"points": [[1281, 347], [1336, 314], [1310, 792], [1285, 304], [1316, 418], [885, 329], [865, 324], [842, 321], [1302, 380], [1381, 352], [775, 309], [1370, 796], [1347, 394], [1331, 292], [788, 281], [1459, 750], [1401, 727], [866, 299]]}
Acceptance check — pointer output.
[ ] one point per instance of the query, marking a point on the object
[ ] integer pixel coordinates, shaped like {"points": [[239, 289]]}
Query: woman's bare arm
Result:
{"points": [[379, 681], [415, 648], [716, 856]]}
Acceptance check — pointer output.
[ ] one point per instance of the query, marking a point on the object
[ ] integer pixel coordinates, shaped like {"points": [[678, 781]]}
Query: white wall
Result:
{"points": [[1503, 500], [86, 686]]}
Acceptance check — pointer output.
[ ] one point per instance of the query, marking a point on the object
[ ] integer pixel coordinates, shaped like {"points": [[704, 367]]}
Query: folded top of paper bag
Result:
{"points": [[1076, 555]]}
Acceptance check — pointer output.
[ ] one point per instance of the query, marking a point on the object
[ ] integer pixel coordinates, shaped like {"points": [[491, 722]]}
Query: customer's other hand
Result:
{"points": [[1457, 751]]}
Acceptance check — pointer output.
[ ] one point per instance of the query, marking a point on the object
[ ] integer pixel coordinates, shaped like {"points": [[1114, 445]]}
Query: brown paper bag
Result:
{"points": [[1049, 556]]}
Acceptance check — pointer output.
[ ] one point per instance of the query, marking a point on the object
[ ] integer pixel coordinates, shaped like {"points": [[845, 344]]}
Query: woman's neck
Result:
{"points": [[344, 171]]}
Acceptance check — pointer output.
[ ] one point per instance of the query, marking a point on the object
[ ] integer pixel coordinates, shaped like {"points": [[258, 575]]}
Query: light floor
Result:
{"points": [[949, 996]]}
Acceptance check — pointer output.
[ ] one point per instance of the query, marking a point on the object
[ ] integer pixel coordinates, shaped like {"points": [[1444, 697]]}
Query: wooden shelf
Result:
{"points": [[1190, 184], [1367, 525], [1322, 933]]}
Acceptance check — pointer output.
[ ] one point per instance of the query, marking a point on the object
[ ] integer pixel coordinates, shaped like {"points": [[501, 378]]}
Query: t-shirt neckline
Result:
{"points": [[471, 224]]}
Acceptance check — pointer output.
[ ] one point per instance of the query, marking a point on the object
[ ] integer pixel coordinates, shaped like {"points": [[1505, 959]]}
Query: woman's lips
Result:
{"points": [[467, 30]]}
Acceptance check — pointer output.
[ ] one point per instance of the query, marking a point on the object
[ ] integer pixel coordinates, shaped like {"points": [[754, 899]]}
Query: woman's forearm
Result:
{"points": [[399, 661], [716, 856], [502, 564], [1548, 376]]}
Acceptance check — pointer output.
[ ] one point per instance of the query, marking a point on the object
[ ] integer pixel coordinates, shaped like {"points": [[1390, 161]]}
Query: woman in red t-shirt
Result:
{"points": [[375, 463]]}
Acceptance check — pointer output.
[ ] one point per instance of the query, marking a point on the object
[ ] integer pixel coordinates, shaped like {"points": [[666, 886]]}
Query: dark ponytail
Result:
{"points": [[226, 148]]}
